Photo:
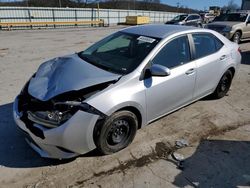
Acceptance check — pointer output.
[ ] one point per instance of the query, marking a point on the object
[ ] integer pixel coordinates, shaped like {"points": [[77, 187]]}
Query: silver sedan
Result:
{"points": [[100, 97]]}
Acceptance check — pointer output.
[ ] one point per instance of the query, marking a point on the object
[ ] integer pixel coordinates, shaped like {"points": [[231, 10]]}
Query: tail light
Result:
{"points": [[239, 50]]}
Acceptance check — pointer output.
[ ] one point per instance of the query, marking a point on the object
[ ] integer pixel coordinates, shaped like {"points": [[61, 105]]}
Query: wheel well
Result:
{"points": [[232, 70], [136, 112], [239, 31]]}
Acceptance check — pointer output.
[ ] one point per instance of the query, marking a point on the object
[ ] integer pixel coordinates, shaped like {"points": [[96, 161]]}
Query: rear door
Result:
{"points": [[211, 57]]}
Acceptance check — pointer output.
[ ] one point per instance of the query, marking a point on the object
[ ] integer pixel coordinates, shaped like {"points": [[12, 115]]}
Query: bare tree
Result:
{"points": [[231, 6]]}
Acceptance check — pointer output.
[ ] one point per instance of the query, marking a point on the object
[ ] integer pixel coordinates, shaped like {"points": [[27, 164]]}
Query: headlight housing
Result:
{"points": [[227, 29]]}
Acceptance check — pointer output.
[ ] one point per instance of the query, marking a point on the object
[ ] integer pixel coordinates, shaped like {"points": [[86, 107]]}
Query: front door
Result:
{"points": [[164, 94]]}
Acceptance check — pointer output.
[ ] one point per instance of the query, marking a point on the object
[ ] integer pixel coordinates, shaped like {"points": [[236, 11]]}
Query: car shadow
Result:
{"points": [[245, 57], [14, 151], [217, 163]]}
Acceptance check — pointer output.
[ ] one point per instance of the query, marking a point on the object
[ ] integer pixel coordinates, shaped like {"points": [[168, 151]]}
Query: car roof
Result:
{"points": [[157, 30]]}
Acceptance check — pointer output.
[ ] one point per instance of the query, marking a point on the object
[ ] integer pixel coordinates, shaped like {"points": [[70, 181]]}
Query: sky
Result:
{"points": [[194, 4], [199, 4]]}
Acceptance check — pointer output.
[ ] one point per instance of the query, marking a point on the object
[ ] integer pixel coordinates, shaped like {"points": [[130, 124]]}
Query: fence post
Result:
{"points": [[53, 17], [108, 18], [29, 18], [119, 16], [154, 17], [92, 16], [76, 17]]}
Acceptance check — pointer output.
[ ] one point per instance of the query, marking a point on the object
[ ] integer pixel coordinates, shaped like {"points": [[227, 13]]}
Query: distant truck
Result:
{"points": [[215, 10], [235, 26], [208, 17]]}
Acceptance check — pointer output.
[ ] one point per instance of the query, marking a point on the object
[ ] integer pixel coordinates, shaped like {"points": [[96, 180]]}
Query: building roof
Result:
{"points": [[157, 30]]}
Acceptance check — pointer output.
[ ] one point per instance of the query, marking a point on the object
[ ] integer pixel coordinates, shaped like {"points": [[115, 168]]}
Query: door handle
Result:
{"points": [[190, 71], [223, 57]]}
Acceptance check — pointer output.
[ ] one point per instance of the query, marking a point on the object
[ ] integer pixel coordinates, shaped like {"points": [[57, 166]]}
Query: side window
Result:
{"points": [[174, 53], [218, 43], [249, 17], [196, 17], [204, 45], [190, 18]]}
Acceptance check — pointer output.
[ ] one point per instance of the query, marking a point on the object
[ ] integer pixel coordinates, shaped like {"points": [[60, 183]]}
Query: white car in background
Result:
{"points": [[208, 18]]}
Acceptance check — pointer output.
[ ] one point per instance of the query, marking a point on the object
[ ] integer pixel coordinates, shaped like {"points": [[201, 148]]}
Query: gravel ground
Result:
{"points": [[21, 52]]}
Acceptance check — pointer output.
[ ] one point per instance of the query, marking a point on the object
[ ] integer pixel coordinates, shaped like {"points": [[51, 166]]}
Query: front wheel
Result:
{"points": [[224, 85], [117, 132], [199, 25], [236, 37]]}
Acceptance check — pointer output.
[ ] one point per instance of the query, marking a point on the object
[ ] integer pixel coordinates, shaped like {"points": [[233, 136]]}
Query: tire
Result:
{"points": [[117, 132], [224, 85], [236, 37], [199, 26]]}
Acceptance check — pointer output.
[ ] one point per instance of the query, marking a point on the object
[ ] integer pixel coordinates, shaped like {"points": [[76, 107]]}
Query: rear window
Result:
{"points": [[197, 17], [218, 43], [206, 44]]}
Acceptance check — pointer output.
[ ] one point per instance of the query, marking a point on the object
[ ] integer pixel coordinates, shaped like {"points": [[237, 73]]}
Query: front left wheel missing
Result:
{"points": [[117, 132]]}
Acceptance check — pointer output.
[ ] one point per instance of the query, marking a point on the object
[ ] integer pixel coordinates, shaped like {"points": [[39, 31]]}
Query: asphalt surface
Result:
{"points": [[21, 52]]}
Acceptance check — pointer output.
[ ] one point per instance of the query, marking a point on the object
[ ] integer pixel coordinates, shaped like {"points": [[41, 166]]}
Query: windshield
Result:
{"points": [[119, 53], [233, 17], [180, 18]]}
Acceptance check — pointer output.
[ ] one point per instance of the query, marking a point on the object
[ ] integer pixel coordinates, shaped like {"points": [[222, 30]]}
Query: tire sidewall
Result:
{"points": [[239, 35], [101, 141], [219, 94]]}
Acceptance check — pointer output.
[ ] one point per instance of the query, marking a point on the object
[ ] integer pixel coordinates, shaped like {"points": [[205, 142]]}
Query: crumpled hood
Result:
{"points": [[63, 74]]}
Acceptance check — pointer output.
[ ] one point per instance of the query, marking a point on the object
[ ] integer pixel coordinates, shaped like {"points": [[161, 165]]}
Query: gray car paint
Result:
{"points": [[67, 135], [156, 31], [63, 74], [153, 97]]}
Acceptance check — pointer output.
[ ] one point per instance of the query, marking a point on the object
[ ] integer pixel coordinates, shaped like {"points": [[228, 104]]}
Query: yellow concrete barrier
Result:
{"points": [[13, 24], [137, 20]]}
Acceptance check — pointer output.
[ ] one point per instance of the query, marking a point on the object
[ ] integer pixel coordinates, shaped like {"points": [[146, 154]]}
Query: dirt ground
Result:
{"points": [[217, 130]]}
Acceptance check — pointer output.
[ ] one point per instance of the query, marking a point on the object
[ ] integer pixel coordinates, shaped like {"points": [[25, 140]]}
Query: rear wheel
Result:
{"points": [[236, 37], [117, 132], [224, 85]]}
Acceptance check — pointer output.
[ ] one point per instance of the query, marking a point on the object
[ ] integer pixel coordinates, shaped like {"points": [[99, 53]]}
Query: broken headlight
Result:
{"points": [[81, 106]]}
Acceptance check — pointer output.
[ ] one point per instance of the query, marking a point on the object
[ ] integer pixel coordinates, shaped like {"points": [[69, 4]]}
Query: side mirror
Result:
{"points": [[159, 70]]}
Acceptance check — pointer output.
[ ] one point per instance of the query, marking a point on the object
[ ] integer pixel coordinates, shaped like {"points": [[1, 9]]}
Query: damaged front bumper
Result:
{"points": [[72, 138]]}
